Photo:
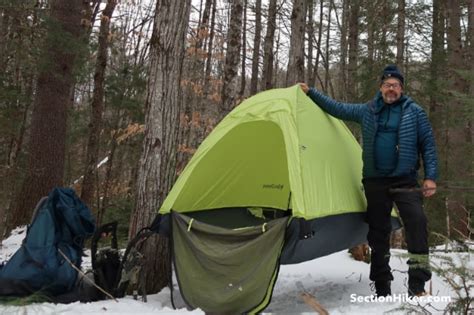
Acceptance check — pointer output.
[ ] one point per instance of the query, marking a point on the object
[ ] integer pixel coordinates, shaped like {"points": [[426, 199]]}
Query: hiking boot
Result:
{"points": [[416, 288], [382, 288]]}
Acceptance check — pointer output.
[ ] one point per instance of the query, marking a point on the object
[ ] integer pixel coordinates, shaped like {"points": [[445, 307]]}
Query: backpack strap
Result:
{"points": [[39, 205]]}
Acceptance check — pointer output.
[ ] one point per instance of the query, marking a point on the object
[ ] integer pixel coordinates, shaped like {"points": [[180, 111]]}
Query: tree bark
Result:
{"points": [[470, 40], [202, 34], [458, 139], [400, 32], [437, 110], [344, 50], [230, 84], [157, 169], [49, 119], [295, 70], [319, 43], [385, 18], [353, 50], [438, 62], [97, 107], [244, 52], [328, 37], [371, 16], [207, 74], [470, 129], [310, 30], [256, 47], [268, 45]]}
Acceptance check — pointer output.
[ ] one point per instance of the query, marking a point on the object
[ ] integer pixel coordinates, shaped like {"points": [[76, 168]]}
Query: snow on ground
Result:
{"points": [[337, 282]]}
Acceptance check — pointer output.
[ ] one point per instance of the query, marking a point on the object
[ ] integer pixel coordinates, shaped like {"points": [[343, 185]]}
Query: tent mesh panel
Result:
{"points": [[226, 271]]}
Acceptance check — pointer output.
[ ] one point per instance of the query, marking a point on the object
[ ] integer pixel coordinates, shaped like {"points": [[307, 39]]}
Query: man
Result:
{"points": [[395, 132]]}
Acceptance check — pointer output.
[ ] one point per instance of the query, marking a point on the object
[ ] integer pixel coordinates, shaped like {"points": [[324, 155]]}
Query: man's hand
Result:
{"points": [[429, 187], [304, 87]]}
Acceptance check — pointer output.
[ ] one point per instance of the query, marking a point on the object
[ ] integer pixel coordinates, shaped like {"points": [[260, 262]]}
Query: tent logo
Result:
{"points": [[273, 186]]}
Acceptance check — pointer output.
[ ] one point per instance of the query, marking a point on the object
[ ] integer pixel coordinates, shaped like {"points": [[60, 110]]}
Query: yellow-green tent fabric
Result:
{"points": [[278, 181], [278, 150]]}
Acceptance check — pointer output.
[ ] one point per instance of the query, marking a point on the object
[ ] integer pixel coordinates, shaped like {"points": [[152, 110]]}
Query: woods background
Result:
{"points": [[113, 98]]}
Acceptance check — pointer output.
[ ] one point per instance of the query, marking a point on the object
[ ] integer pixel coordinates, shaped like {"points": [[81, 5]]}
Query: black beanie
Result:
{"points": [[391, 71]]}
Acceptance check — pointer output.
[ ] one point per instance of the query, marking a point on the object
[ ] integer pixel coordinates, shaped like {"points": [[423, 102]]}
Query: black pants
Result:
{"points": [[410, 206]]}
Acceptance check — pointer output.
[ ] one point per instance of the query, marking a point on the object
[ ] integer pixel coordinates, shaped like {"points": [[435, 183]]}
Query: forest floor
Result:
{"points": [[338, 282]]}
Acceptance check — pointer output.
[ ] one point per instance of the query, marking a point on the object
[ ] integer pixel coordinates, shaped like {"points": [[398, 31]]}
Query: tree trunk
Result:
{"points": [[386, 16], [230, 86], [267, 75], [344, 49], [371, 15], [458, 139], [319, 43], [5, 16], [53, 99], [202, 34], [207, 74], [470, 43], [107, 182], [328, 37], [437, 110], [97, 106], [295, 70], [438, 62], [244, 52], [256, 47], [194, 103], [470, 129], [276, 62], [353, 50], [400, 32], [157, 169], [310, 30]]}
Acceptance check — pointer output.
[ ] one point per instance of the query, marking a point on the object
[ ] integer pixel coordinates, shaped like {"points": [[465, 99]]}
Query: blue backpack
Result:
{"points": [[60, 225]]}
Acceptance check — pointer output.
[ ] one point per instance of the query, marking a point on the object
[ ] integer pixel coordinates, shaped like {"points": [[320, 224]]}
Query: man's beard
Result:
{"points": [[391, 98]]}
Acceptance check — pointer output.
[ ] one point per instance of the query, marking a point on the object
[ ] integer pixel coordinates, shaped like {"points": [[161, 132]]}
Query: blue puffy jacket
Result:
{"points": [[415, 135]]}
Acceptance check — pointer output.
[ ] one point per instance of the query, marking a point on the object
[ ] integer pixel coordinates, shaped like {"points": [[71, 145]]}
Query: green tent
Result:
{"points": [[277, 150], [277, 157]]}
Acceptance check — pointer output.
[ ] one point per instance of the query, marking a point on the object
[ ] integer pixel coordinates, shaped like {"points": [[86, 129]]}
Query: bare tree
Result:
{"points": [[295, 70], [267, 76], [97, 107], [400, 32], [328, 36], [470, 41], [319, 43], [230, 86], [256, 47], [386, 14], [207, 73], [344, 50], [244, 53], [353, 49], [203, 27], [157, 171], [310, 31], [470, 61]]}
